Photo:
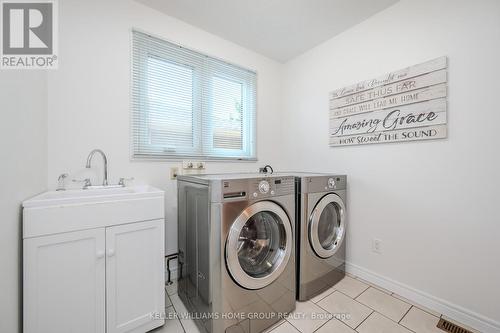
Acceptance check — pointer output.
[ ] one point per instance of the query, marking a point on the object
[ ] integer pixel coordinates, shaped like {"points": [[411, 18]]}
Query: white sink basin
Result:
{"points": [[64, 211], [56, 198]]}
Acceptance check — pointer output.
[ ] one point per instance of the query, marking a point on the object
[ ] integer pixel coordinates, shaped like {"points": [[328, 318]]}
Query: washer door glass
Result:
{"points": [[259, 245], [326, 226]]}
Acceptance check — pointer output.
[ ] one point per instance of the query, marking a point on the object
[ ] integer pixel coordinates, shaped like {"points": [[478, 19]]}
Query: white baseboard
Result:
{"points": [[454, 311]]}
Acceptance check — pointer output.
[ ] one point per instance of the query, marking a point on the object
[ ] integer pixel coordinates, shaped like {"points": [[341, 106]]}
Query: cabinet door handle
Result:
{"points": [[100, 254], [111, 252]]}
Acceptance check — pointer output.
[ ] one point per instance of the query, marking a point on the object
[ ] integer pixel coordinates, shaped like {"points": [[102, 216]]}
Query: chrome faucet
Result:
{"points": [[89, 162]]}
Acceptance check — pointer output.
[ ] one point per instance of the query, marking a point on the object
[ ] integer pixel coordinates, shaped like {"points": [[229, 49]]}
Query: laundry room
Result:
{"points": [[249, 166]]}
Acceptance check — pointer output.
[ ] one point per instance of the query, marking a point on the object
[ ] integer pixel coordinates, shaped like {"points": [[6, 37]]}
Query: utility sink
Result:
{"points": [[55, 198], [72, 210]]}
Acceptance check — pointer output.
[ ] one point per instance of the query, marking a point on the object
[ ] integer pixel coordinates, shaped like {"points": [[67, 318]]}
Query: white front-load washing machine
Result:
{"points": [[321, 232], [236, 239]]}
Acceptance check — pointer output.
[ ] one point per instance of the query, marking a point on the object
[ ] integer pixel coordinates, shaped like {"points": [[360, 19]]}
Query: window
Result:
{"points": [[187, 104]]}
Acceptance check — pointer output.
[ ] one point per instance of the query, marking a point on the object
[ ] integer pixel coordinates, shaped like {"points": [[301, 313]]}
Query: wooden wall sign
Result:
{"points": [[405, 105]]}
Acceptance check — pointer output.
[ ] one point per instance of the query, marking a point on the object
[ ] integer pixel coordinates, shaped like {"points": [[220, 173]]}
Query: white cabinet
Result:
{"points": [[108, 279], [134, 274], [64, 283]]}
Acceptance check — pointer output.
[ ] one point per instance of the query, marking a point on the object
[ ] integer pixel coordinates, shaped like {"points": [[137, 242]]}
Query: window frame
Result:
{"points": [[204, 74]]}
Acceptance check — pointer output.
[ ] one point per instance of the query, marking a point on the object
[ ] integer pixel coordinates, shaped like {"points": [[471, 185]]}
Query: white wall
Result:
{"points": [[23, 166], [434, 204], [88, 98], [431, 203]]}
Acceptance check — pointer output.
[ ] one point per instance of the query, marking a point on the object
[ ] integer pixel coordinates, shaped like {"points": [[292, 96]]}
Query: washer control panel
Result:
{"points": [[257, 188], [272, 186]]}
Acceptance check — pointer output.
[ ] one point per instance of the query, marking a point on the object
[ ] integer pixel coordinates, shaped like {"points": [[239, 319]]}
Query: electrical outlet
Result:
{"points": [[193, 165], [377, 245], [174, 172]]}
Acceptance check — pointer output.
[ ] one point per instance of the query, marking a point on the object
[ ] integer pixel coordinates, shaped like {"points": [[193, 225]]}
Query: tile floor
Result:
{"points": [[358, 305]]}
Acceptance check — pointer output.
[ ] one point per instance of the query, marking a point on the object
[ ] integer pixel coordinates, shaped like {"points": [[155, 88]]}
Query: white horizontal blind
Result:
{"points": [[187, 104]]}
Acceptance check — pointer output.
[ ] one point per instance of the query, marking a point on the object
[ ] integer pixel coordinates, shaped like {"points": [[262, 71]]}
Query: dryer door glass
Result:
{"points": [[327, 225], [259, 245]]}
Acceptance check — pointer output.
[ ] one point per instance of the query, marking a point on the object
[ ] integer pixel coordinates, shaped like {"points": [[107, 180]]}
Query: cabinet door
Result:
{"points": [[135, 276], [64, 281]]}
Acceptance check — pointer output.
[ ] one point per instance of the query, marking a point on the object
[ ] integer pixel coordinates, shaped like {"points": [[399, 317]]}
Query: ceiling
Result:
{"points": [[278, 29]]}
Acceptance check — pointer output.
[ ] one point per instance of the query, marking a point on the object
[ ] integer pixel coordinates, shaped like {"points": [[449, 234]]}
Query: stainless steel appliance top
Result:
{"points": [[243, 186], [206, 178]]}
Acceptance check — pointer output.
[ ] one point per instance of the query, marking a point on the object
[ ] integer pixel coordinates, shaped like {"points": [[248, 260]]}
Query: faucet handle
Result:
{"points": [[122, 181], [61, 182], [86, 182], [62, 176]]}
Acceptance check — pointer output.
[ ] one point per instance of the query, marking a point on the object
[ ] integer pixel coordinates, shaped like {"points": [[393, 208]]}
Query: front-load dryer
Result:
{"points": [[237, 250], [321, 232]]}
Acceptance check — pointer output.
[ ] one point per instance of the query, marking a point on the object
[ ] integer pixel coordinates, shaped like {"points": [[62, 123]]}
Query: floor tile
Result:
{"points": [[172, 324], [285, 327], [387, 305], [325, 293], [349, 311], [377, 323], [308, 317], [432, 312], [351, 287], [335, 326], [420, 321], [188, 324]]}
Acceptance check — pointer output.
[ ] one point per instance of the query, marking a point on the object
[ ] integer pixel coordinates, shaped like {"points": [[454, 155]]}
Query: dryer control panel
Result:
{"points": [[323, 183]]}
